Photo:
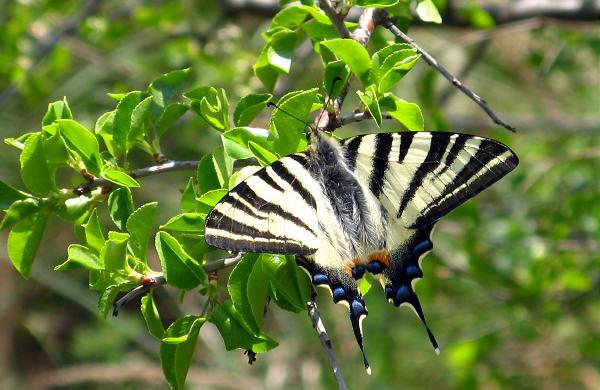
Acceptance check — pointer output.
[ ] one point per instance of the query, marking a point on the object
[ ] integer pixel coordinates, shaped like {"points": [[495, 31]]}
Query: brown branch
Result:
{"points": [[337, 21], [315, 317], [456, 82], [167, 166]]}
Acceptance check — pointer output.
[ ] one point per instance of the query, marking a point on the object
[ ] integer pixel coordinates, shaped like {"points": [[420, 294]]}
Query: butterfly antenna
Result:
{"points": [[328, 101], [271, 104]]}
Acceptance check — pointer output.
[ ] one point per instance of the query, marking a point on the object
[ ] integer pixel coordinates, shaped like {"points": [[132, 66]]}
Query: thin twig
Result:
{"points": [[315, 317], [387, 23], [159, 280], [168, 166], [359, 117], [338, 22]]}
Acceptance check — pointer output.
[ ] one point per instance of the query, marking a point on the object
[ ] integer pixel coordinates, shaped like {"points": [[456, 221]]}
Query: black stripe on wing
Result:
{"points": [[483, 171]]}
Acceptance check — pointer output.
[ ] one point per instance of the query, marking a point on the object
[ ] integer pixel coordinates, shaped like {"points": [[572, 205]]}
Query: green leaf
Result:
{"points": [[151, 316], [18, 211], [83, 142], [79, 257], [123, 116], [212, 106], [428, 12], [353, 54], [250, 106], [257, 291], [24, 241], [207, 175], [34, 168], [241, 175], [56, 151], [139, 225], [188, 197], [223, 165], [237, 286], [369, 99], [288, 279], [120, 178], [138, 118], [236, 333], [264, 71], [409, 114], [365, 284], [288, 132], [263, 155], [113, 255], [334, 70], [235, 141], [281, 48], [57, 110], [186, 222], [94, 232], [375, 3], [172, 113], [164, 88], [296, 15], [72, 209], [177, 349], [9, 195], [120, 206], [478, 16], [180, 270], [107, 298], [395, 67], [209, 199]]}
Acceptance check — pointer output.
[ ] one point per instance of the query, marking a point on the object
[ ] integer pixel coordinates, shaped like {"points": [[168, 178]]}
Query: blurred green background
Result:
{"points": [[511, 289]]}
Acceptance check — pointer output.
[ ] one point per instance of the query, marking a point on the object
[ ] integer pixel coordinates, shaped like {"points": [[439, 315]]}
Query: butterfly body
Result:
{"points": [[365, 204]]}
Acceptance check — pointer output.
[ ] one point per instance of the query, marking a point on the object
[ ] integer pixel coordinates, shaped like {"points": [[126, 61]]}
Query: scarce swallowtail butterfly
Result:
{"points": [[365, 204]]}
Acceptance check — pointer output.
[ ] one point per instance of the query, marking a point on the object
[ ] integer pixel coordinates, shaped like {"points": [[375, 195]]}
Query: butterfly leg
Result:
{"points": [[344, 289]]}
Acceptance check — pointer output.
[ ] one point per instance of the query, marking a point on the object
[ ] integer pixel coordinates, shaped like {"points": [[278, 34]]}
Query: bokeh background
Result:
{"points": [[511, 289]]}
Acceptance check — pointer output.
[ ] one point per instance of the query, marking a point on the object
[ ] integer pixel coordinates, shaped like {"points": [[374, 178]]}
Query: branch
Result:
{"points": [[315, 317], [359, 117], [167, 166], [456, 82], [338, 22], [150, 282]]}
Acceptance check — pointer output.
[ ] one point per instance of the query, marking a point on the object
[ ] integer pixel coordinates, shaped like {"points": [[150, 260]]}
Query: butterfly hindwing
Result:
{"points": [[272, 211]]}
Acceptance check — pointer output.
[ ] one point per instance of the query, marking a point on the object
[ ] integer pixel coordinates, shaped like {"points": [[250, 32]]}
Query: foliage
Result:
{"points": [[81, 171]]}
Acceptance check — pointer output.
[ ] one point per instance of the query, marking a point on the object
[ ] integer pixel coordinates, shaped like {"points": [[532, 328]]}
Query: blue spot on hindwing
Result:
{"points": [[358, 271], [413, 271], [338, 294], [358, 308], [375, 267], [320, 279], [422, 247], [403, 294]]}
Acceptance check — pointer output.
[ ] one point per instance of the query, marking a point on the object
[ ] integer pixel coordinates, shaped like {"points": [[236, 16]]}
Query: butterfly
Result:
{"points": [[363, 204]]}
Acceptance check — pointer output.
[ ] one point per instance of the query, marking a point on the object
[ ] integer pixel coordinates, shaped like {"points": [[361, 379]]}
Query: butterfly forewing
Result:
{"points": [[272, 211]]}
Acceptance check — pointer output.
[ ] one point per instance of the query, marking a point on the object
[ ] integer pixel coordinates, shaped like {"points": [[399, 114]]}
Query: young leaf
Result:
{"points": [[237, 286], [288, 132], [72, 209], [34, 168], [113, 255], [281, 48], [264, 71], [139, 225], [428, 12], [186, 222], [24, 240], [207, 175], [79, 257], [248, 107], [138, 118], [18, 211], [235, 141], [120, 206], [94, 232], [236, 333], [123, 116], [9, 195], [177, 348], [223, 165], [57, 110], [353, 54], [409, 114], [179, 268], [263, 155], [173, 112], [288, 279], [212, 106], [83, 142], [369, 99], [164, 88], [120, 178], [151, 316], [56, 151]]}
